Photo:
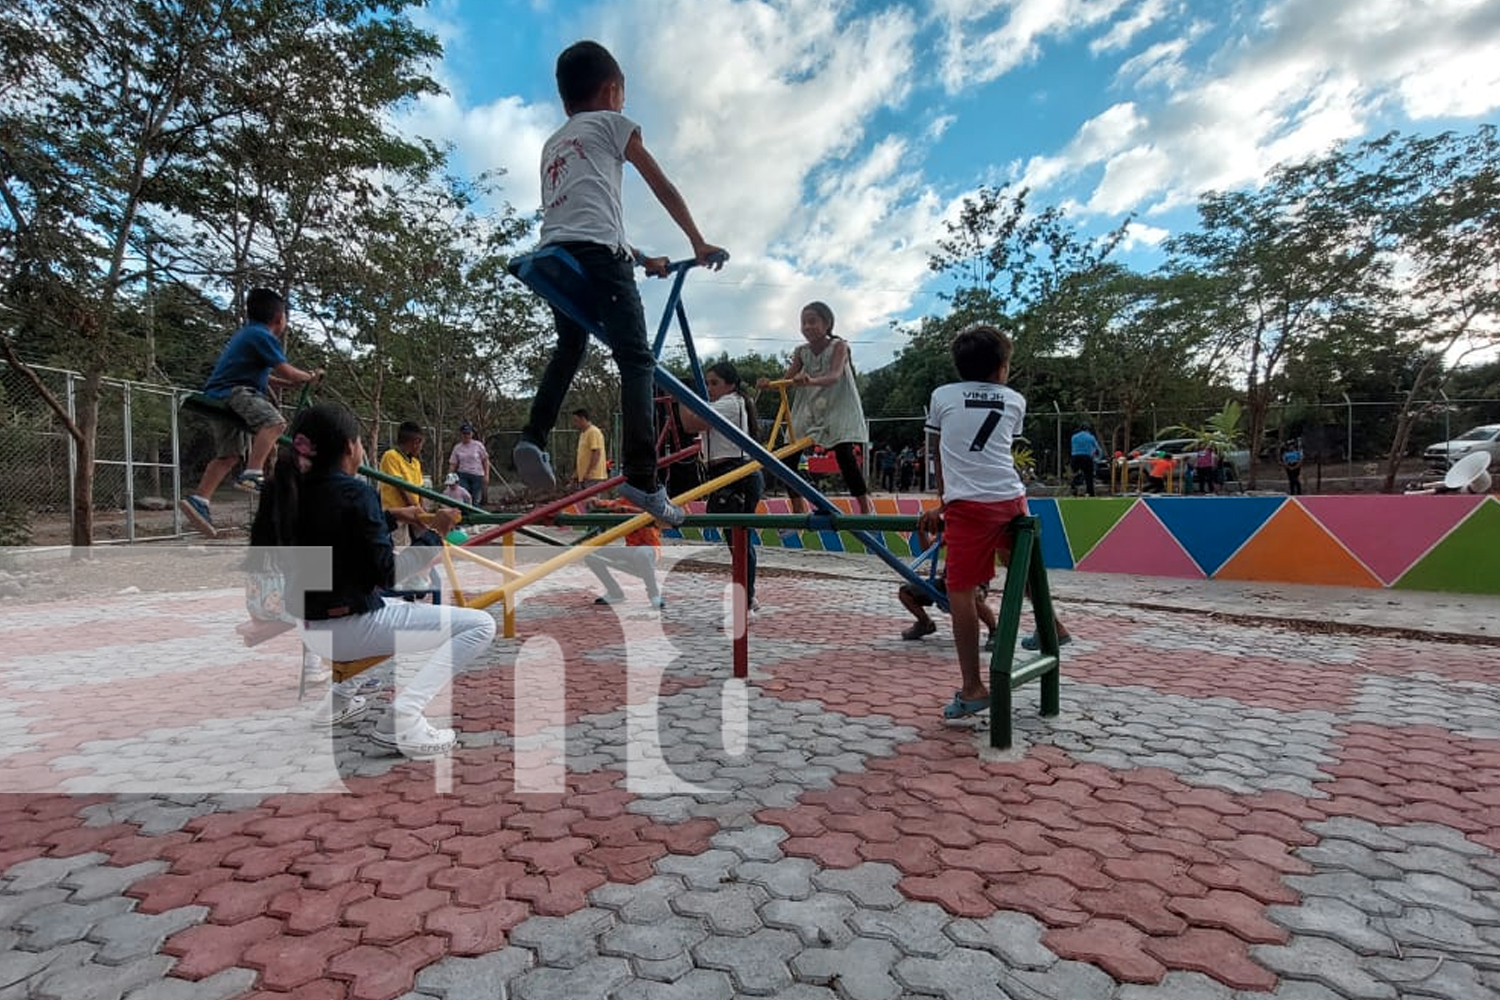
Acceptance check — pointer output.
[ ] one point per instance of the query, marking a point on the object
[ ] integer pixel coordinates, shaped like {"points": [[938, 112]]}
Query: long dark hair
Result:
{"points": [[730, 376], [320, 437]]}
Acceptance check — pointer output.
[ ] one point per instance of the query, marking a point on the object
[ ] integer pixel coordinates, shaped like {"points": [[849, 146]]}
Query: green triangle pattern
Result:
{"points": [[1456, 563], [1086, 520]]}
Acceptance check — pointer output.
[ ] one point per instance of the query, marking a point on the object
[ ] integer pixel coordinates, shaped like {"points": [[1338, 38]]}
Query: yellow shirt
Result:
{"points": [[591, 465], [393, 463]]}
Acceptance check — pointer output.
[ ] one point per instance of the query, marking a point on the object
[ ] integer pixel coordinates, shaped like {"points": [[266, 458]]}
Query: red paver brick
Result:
{"points": [[206, 949], [84, 839], [1161, 870], [402, 844], [329, 869], [1121, 816], [1277, 826], [168, 890], [869, 826], [796, 822], [1137, 903], [1250, 877], [961, 893], [565, 892], [556, 824], [200, 854], [612, 831], [913, 855], [476, 931], [284, 828], [1078, 868], [478, 851], [475, 820], [1187, 851], [549, 856], [385, 973], [629, 863], [401, 878], [1049, 899], [1270, 852], [348, 834], [945, 832], [1443, 815], [1102, 841], [286, 962], [986, 859], [1213, 953], [1114, 946], [476, 887], [830, 850], [688, 838], [307, 910], [233, 901], [218, 826], [1235, 912], [264, 861], [387, 921], [323, 989]]}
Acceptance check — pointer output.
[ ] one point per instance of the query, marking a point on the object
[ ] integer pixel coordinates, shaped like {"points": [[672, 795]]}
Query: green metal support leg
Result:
{"points": [[1025, 568]]}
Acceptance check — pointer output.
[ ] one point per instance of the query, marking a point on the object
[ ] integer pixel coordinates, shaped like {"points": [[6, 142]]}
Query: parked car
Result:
{"points": [[1483, 438]]}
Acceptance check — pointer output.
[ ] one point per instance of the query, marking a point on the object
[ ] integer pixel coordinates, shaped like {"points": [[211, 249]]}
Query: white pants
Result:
{"points": [[455, 636]]}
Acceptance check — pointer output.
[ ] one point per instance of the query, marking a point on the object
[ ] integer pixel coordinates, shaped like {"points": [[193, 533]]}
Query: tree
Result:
{"points": [[1287, 259], [110, 113]]}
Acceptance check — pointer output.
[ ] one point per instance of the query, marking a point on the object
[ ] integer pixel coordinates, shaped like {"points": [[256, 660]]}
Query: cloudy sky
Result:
{"points": [[823, 142]]}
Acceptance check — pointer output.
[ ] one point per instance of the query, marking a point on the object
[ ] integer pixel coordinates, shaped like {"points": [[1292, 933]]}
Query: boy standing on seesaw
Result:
{"points": [[971, 425], [582, 167], [241, 378]]}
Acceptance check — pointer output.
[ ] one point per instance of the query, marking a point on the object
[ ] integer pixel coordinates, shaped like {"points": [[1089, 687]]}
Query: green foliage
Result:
{"points": [[1223, 432], [15, 523]]}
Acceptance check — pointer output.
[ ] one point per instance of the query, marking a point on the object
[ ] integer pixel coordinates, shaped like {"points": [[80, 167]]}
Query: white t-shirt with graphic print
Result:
{"points": [[582, 166], [977, 422]]}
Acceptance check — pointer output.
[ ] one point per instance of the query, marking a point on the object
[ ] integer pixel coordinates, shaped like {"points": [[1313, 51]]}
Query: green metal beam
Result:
{"points": [[804, 522]]}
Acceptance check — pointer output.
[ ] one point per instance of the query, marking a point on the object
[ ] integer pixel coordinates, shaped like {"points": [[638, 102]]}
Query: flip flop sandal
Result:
{"points": [[961, 707], [917, 630]]}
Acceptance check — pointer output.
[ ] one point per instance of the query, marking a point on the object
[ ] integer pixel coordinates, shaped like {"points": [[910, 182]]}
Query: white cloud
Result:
{"points": [[1138, 235], [1306, 75], [1124, 31], [985, 39]]}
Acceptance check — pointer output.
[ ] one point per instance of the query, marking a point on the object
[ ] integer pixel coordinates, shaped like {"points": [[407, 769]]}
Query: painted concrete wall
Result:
{"points": [[1444, 543]]}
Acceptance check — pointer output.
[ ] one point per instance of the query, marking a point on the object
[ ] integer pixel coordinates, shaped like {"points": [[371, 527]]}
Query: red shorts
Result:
{"points": [[975, 532]]}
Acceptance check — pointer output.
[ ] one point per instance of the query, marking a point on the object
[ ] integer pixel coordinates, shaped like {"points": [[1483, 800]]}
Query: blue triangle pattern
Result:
{"points": [[1055, 551], [1212, 529]]}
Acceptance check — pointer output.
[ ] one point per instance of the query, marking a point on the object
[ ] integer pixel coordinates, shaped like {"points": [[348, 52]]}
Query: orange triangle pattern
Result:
{"points": [[1292, 547]]}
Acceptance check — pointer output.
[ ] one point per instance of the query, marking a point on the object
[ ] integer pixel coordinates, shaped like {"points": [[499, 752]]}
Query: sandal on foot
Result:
{"points": [[961, 707], [420, 741], [917, 630]]}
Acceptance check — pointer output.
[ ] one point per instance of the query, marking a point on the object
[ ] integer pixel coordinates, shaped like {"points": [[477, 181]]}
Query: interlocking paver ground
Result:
{"points": [[1254, 805]]}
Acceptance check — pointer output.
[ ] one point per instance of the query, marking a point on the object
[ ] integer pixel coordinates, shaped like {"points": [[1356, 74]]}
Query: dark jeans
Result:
{"points": [[1083, 465], [617, 304], [1294, 482], [738, 498], [474, 483]]}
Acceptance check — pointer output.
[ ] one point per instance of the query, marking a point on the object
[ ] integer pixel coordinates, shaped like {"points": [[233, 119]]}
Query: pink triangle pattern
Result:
{"points": [[1389, 534], [1139, 543]]}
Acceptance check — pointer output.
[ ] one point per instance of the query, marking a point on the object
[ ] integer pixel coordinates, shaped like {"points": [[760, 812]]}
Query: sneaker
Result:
{"points": [[658, 603], [918, 629], [609, 599], [314, 670], [197, 512], [989, 642], [421, 740], [250, 481], [337, 710], [1033, 642], [535, 467], [366, 683], [657, 504]]}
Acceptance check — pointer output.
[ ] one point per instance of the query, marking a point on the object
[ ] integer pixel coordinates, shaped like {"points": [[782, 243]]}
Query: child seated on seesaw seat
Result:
{"points": [[313, 500], [917, 602]]}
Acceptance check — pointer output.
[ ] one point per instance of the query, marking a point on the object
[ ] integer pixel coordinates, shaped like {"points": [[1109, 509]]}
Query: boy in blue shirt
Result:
{"points": [[582, 167], [241, 378]]}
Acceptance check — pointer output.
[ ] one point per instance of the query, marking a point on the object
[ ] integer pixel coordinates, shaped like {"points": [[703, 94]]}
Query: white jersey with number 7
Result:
{"points": [[977, 422]]}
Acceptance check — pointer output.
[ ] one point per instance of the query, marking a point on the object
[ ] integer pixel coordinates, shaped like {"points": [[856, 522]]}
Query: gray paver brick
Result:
{"points": [[1178, 986], [219, 986], [1431, 859], [1439, 891], [863, 969], [964, 974], [820, 920], [1333, 918], [755, 843], [1354, 889], [1438, 836], [655, 942], [801, 991], [13, 908], [1421, 927], [699, 984], [564, 942], [645, 902], [1346, 855], [40, 872], [915, 928], [872, 885], [1433, 976], [1015, 937], [1360, 831], [1323, 961], [731, 909], [482, 978], [701, 871], [63, 923], [92, 981], [1074, 980], [788, 878], [99, 881], [1294, 989], [127, 936], [757, 963], [597, 977]]}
